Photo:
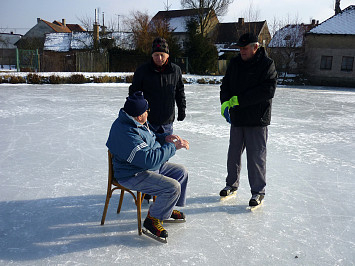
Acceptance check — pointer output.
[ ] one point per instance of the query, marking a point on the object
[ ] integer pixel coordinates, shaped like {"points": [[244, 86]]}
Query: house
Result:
{"points": [[287, 47], [64, 51], [76, 51], [330, 50], [178, 19], [8, 50], [228, 34], [34, 38]]}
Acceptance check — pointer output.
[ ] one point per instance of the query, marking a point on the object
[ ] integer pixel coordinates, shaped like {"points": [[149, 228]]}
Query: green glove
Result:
{"points": [[231, 103]]}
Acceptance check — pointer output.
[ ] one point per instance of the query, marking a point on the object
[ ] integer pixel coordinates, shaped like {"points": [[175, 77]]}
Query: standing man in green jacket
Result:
{"points": [[161, 82], [246, 96]]}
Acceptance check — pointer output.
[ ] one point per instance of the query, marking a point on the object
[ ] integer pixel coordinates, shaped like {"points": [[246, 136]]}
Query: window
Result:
{"points": [[347, 63], [326, 62]]}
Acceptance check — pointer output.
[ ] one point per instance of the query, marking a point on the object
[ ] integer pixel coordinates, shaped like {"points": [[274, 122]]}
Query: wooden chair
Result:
{"points": [[112, 186]]}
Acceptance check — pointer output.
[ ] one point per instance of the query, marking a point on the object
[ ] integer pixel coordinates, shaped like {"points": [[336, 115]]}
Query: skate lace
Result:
{"points": [[157, 224]]}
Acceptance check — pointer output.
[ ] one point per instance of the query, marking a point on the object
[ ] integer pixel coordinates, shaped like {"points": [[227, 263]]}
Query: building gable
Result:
{"points": [[228, 33], [291, 35], [341, 23], [178, 18], [8, 40]]}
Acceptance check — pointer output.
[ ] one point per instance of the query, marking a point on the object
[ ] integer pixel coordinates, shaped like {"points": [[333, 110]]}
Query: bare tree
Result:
{"points": [[139, 26], [87, 22], [160, 27], [287, 45], [207, 10], [251, 14]]}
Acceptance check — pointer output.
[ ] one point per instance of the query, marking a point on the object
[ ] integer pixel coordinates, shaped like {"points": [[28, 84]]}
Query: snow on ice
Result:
{"points": [[53, 172]]}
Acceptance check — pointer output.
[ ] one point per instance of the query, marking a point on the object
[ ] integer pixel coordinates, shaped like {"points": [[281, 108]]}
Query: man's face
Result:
{"points": [[247, 52], [142, 119], [160, 58]]}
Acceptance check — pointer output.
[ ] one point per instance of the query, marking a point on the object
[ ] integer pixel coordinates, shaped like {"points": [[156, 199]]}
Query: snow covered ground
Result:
{"points": [[53, 172]]}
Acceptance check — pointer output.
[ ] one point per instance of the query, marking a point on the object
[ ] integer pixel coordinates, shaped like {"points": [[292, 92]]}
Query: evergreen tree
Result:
{"points": [[201, 52]]}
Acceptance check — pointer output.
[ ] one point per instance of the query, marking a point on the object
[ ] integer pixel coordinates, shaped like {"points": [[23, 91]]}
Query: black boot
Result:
{"points": [[154, 226]]}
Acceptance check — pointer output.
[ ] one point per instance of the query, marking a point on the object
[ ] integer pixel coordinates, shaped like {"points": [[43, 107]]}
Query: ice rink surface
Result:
{"points": [[53, 172]]}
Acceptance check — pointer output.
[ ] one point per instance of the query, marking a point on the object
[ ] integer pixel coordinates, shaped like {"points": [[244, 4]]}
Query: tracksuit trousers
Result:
{"points": [[254, 140], [168, 184]]}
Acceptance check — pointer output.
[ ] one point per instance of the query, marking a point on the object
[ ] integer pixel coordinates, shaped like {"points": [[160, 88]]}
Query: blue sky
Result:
{"points": [[20, 15]]}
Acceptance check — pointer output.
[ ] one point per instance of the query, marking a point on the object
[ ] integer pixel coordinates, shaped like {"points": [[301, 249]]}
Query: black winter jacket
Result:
{"points": [[254, 82], [161, 90]]}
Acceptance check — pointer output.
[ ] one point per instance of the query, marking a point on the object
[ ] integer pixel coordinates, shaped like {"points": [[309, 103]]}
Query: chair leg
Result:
{"points": [[108, 196], [121, 200], [139, 212]]}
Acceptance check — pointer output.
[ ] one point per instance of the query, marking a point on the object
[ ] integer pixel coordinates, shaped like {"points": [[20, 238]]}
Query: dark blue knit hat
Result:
{"points": [[135, 104], [160, 45]]}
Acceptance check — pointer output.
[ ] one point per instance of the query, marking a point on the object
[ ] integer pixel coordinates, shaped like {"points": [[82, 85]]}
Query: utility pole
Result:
{"points": [[118, 22], [167, 6], [337, 7]]}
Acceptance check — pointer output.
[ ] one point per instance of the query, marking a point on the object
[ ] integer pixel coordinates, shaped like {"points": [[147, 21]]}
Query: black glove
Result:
{"points": [[181, 115]]}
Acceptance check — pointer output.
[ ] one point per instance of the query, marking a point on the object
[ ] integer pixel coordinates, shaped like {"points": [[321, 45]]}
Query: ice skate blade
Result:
{"points": [[157, 238], [253, 208], [174, 221], [228, 197]]}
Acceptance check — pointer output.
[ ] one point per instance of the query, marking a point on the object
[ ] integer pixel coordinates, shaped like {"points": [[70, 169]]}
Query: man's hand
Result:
{"points": [[225, 111], [181, 115], [178, 142], [227, 105]]}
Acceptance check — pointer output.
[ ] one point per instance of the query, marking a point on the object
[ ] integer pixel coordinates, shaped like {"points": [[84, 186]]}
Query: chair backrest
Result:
{"points": [[110, 167]]}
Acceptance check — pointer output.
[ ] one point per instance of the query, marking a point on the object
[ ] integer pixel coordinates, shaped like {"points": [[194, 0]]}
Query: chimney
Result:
{"points": [[38, 20], [337, 7], [313, 22], [96, 34], [241, 21], [63, 22]]}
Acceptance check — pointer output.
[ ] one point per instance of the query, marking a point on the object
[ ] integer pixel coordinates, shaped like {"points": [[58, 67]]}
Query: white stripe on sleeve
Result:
{"points": [[134, 151]]}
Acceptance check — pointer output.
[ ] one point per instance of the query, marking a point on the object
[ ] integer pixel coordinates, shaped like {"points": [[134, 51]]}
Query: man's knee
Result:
{"points": [[176, 187], [184, 172]]}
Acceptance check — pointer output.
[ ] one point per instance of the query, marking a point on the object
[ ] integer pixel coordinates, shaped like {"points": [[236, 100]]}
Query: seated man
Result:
{"points": [[140, 162]]}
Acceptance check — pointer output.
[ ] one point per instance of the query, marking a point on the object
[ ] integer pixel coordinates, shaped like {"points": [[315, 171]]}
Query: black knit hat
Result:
{"points": [[246, 39], [135, 104], [160, 45]]}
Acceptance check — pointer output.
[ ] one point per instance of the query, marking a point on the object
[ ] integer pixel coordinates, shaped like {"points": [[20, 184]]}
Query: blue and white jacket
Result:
{"points": [[135, 148]]}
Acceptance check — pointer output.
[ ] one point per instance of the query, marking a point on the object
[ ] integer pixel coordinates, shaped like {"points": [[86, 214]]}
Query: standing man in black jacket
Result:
{"points": [[246, 96], [162, 85]]}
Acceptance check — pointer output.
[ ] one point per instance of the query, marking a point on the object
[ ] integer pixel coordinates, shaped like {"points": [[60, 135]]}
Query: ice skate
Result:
{"points": [[228, 192], [176, 217], [155, 229], [255, 201]]}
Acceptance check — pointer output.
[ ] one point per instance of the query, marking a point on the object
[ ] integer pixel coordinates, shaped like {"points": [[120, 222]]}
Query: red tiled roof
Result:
{"points": [[59, 27], [75, 27], [56, 27]]}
